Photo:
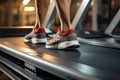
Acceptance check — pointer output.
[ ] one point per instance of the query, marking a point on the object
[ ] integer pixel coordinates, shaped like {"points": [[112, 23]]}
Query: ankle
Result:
{"points": [[69, 31], [39, 29]]}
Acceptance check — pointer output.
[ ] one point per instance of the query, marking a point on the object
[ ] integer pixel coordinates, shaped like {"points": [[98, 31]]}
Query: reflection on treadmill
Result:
{"points": [[91, 34]]}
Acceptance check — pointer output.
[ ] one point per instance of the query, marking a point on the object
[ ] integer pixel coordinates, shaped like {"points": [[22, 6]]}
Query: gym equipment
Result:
{"points": [[105, 39], [23, 61], [88, 62]]}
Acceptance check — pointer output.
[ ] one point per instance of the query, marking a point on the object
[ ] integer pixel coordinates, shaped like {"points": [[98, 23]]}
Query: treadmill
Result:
{"points": [[29, 61], [110, 38], [26, 61]]}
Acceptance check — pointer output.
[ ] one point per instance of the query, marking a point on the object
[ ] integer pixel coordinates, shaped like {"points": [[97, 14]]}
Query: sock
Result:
{"points": [[39, 29], [69, 31]]}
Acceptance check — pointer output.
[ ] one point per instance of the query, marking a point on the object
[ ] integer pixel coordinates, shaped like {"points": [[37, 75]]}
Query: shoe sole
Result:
{"points": [[25, 40], [64, 45], [37, 40]]}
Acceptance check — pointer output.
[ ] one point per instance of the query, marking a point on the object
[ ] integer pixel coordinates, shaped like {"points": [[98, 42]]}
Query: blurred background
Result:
{"points": [[22, 13], [16, 13]]}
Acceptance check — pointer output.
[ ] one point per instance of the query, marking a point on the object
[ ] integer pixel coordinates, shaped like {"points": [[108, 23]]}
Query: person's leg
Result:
{"points": [[38, 33], [63, 9], [41, 9], [66, 36]]}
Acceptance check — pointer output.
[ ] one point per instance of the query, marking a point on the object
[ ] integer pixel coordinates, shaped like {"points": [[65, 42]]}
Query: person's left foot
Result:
{"points": [[63, 42], [35, 37]]}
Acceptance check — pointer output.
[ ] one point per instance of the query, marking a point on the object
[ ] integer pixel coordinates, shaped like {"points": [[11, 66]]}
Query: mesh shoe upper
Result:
{"points": [[35, 37], [59, 38], [62, 42]]}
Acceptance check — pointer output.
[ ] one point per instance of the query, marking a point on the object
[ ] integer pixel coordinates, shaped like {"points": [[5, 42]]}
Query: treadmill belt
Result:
{"points": [[91, 60]]}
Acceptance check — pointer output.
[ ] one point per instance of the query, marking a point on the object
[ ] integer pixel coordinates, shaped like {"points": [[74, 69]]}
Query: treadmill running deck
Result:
{"points": [[86, 62]]}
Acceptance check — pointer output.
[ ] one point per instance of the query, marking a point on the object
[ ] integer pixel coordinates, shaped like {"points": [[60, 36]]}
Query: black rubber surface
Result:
{"points": [[91, 34], [100, 62]]}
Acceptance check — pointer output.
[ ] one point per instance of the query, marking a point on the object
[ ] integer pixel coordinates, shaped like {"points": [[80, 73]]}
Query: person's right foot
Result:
{"points": [[36, 36], [63, 42]]}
